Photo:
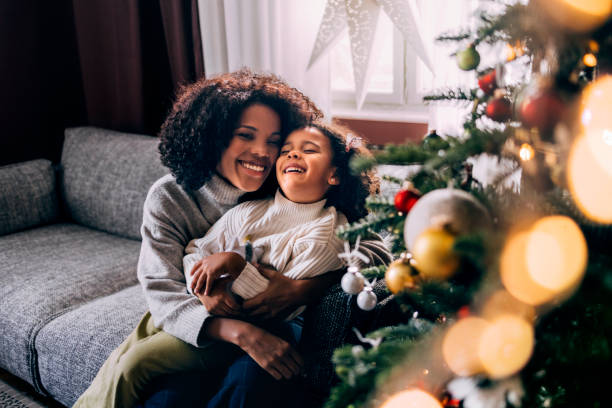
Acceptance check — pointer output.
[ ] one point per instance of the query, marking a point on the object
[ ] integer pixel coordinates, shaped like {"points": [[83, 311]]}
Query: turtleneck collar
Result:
{"points": [[221, 191], [298, 211]]}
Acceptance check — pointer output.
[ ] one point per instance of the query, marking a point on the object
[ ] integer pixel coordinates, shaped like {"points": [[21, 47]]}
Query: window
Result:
{"points": [[394, 91]]}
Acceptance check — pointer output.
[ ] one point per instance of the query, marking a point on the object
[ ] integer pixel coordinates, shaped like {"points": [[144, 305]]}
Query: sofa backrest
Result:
{"points": [[105, 176], [28, 197]]}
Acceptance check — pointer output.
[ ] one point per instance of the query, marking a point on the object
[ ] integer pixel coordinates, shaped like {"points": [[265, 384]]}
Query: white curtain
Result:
{"points": [[437, 17], [441, 16], [274, 36]]}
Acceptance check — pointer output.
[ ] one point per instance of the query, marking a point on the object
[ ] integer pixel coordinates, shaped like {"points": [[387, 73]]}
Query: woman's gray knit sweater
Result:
{"points": [[172, 218]]}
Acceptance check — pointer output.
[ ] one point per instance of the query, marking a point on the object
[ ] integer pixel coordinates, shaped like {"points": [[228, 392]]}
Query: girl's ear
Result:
{"points": [[333, 180]]}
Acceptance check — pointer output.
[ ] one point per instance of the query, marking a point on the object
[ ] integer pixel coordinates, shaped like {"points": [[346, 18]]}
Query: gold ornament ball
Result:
{"points": [[401, 276], [433, 254]]}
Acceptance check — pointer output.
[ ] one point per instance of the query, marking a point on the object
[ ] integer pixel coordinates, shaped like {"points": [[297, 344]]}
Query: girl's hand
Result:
{"points": [[220, 302], [207, 270], [272, 353]]}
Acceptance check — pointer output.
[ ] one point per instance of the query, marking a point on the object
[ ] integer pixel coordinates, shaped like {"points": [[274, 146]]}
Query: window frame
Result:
{"points": [[403, 104]]}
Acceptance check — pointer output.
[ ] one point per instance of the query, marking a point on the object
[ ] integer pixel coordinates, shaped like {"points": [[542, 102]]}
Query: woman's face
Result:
{"points": [[248, 159], [304, 168]]}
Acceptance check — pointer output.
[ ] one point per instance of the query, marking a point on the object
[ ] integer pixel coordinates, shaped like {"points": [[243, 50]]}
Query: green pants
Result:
{"points": [[146, 354]]}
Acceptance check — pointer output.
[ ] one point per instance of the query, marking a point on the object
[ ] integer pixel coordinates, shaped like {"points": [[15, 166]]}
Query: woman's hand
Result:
{"points": [[208, 269], [282, 296], [220, 302], [272, 353]]}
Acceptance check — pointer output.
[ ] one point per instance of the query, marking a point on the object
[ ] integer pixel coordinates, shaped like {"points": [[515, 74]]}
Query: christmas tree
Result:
{"points": [[502, 292]]}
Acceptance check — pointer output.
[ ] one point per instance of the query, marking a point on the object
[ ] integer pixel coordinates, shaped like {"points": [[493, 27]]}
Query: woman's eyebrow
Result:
{"points": [[247, 126]]}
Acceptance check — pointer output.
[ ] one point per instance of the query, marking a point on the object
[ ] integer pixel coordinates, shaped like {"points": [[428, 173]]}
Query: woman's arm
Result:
{"points": [[272, 353], [171, 218], [284, 294]]}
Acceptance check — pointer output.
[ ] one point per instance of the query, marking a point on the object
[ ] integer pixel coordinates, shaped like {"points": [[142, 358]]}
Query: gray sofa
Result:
{"points": [[69, 245]]}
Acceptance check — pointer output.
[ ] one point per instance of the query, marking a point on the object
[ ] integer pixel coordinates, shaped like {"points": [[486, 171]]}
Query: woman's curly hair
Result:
{"points": [[350, 194], [201, 123]]}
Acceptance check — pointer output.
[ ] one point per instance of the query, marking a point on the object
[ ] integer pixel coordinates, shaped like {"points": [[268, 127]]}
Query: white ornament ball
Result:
{"points": [[357, 351], [460, 209], [367, 300], [352, 282]]}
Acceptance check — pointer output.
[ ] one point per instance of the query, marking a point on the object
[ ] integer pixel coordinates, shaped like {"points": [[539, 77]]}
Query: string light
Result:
{"points": [[589, 59], [526, 152]]}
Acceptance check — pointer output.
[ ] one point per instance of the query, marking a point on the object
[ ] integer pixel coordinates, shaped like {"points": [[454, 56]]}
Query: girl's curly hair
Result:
{"points": [[201, 123], [350, 195]]}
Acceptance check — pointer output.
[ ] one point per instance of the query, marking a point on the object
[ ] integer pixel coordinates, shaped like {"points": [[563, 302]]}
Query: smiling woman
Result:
{"points": [[253, 149]]}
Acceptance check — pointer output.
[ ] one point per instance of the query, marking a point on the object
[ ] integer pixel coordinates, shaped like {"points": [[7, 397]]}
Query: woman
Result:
{"points": [[220, 141]]}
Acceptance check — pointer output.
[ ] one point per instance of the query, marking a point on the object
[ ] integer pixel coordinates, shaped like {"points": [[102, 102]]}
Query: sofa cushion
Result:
{"points": [[50, 269], [106, 176], [72, 347], [28, 196]]}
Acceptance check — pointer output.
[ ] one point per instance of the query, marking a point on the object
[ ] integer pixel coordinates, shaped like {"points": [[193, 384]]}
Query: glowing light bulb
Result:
{"points": [[412, 398], [510, 53], [526, 152], [589, 59]]}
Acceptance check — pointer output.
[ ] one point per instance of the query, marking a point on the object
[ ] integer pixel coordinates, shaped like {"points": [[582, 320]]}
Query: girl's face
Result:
{"points": [[248, 159], [304, 168]]}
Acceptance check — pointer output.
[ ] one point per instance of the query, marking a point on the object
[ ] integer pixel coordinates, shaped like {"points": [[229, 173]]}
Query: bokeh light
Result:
{"points": [[544, 262], [412, 398], [589, 59], [460, 346], [577, 15], [556, 253], [526, 152], [589, 183], [502, 302], [515, 275], [506, 346], [597, 121]]}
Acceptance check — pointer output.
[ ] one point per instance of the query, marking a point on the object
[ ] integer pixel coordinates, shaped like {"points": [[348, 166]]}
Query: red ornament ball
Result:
{"points": [[488, 82], [542, 110], [499, 109], [405, 199]]}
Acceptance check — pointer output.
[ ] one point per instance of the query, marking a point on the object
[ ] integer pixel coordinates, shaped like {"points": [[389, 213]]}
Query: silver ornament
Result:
{"points": [[352, 281], [460, 209], [366, 299]]}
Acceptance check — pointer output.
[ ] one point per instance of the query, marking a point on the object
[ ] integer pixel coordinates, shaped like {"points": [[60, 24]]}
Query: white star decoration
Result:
{"points": [[361, 16]]}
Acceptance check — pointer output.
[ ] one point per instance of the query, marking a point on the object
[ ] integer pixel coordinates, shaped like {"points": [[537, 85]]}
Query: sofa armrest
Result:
{"points": [[28, 195]]}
